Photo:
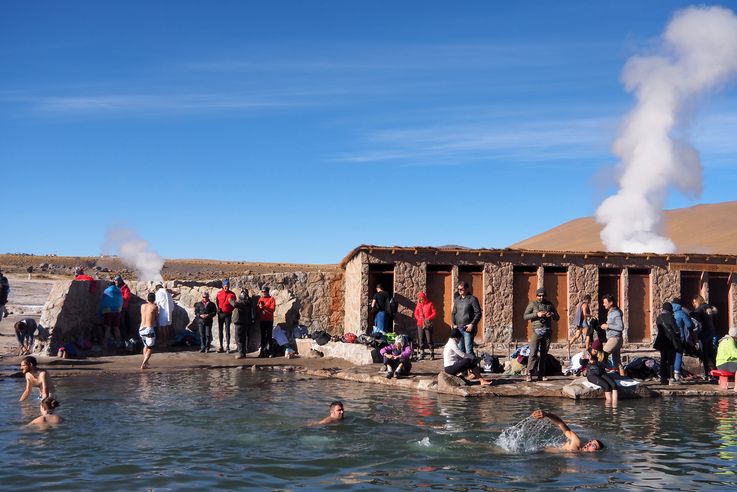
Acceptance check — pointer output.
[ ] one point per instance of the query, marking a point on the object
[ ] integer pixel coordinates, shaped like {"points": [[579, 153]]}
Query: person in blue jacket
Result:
{"points": [[111, 304], [685, 325]]}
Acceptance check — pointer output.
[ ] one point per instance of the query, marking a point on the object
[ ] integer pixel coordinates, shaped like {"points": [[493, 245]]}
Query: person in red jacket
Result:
{"points": [[424, 314], [125, 319], [226, 304], [81, 277], [265, 309]]}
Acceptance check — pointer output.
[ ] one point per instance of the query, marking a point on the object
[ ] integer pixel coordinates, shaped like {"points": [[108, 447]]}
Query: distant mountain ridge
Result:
{"points": [[705, 229]]}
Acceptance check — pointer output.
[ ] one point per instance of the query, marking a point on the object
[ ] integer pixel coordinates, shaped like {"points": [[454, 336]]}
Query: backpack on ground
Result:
{"points": [[321, 337], [490, 363], [348, 338]]}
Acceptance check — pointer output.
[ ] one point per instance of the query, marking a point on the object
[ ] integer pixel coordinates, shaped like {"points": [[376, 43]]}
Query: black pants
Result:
{"points": [[460, 366], [708, 357], [535, 364], [394, 364], [424, 338], [267, 327], [241, 338], [224, 322], [667, 358], [205, 335], [604, 380], [125, 324]]}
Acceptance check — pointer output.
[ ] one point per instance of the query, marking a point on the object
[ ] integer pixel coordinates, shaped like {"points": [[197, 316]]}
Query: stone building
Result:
{"points": [[505, 280]]}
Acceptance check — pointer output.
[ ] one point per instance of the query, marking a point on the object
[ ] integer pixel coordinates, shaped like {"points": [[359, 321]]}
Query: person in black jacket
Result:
{"points": [[243, 319], [466, 316], [205, 311], [667, 341], [704, 314], [4, 292]]}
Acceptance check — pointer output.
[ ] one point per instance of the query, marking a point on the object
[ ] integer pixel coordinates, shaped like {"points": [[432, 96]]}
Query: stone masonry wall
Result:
{"points": [[664, 286], [498, 289], [354, 298], [409, 280]]}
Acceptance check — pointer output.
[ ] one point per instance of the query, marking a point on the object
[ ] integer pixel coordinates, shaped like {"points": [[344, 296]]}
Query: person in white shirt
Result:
{"points": [[457, 362]]}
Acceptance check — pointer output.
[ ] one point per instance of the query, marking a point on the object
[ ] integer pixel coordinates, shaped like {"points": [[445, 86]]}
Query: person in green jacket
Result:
{"points": [[727, 351], [542, 313]]}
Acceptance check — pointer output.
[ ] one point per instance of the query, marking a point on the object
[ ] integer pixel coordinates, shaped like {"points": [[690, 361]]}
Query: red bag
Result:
{"points": [[349, 338]]}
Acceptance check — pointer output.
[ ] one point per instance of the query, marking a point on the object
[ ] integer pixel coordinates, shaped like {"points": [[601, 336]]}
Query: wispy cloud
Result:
{"points": [[520, 142]]}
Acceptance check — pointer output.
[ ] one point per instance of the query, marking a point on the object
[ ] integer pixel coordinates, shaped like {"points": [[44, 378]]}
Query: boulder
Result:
{"points": [[578, 390], [452, 385], [355, 353]]}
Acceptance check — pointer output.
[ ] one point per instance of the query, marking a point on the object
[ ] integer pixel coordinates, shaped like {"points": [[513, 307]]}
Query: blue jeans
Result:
{"points": [[466, 343], [380, 320], [677, 364]]}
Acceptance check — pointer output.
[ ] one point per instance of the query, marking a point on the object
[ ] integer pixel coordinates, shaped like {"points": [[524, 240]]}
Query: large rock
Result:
{"points": [[578, 390], [452, 385], [355, 353]]}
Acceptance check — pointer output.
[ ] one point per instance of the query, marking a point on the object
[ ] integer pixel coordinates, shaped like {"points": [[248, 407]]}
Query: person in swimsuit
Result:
{"points": [[336, 414], [47, 416], [35, 377], [147, 332], [574, 441]]}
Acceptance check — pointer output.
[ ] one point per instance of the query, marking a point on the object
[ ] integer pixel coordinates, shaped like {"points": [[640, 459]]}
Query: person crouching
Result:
{"points": [[397, 358], [457, 362]]}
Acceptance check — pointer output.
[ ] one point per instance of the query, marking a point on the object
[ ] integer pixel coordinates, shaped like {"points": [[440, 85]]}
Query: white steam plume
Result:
{"points": [[134, 252], [698, 54]]}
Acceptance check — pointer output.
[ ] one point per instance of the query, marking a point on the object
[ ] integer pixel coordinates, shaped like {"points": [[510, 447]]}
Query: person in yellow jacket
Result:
{"points": [[727, 351]]}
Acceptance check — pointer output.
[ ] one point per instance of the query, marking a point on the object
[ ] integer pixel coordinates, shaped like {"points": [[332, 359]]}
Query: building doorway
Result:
{"points": [[523, 291], [474, 276], [610, 282], [638, 303], [719, 298], [379, 274], [690, 287], [440, 293], [556, 291]]}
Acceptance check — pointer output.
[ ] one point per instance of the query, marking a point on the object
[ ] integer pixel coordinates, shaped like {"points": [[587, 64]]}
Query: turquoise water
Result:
{"points": [[234, 429]]}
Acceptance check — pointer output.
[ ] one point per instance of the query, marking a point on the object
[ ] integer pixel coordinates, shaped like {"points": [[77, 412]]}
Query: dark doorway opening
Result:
{"points": [[473, 275], [380, 274], [719, 298], [610, 282], [638, 302]]}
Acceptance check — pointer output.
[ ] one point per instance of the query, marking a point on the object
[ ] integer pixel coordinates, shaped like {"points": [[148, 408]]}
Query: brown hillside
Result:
{"points": [[706, 229]]}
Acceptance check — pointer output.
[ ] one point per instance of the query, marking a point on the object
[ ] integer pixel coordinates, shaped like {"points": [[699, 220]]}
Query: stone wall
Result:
{"points": [[70, 313], [356, 295], [664, 286], [497, 301], [409, 280]]}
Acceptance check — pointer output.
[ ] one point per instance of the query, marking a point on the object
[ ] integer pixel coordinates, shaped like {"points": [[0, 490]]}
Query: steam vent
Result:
{"points": [[504, 280]]}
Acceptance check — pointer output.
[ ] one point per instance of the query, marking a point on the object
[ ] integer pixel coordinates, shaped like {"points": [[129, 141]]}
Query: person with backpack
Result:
{"points": [[425, 314], [466, 315], [542, 313], [685, 325], [704, 313], [667, 342]]}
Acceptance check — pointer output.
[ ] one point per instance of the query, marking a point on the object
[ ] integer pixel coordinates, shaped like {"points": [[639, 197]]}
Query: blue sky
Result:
{"points": [[297, 130]]}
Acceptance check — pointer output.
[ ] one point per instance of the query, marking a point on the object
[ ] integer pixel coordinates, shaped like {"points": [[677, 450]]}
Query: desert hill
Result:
{"points": [[706, 229]]}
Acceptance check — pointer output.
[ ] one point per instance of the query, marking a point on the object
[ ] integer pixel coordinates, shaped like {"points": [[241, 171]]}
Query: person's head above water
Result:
{"points": [[28, 363], [337, 410], [48, 404], [592, 446]]}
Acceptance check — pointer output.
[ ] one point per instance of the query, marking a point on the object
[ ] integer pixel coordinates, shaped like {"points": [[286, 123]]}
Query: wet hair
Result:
{"points": [[609, 298], [31, 360], [151, 297], [336, 403], [601, 444], [49, 404], [698, 298]]}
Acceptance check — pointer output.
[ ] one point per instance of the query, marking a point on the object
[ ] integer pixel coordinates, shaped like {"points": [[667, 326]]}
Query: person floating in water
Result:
{"points": [[574, 442], [47, 416], [336, 414], [35, 377]]}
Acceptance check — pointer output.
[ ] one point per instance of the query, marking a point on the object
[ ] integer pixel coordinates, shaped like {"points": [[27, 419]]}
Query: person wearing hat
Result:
{"points": [[225, 301], [596, 373], [542, 313], [727, 352], [205, 312], [667, 342], [265, 310]]}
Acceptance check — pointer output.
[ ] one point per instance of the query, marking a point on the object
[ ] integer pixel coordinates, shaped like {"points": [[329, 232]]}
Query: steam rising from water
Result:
{"points": [[698, 54], [134, 252]]}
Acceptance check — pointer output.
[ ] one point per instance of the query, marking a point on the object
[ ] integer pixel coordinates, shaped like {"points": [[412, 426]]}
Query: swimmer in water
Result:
{"points": [[35, 377], [336, 414], [574, 442], [47, 417]]}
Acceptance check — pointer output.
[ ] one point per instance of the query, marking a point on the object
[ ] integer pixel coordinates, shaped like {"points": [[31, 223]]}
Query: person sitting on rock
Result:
{"points": [[596, 374], [397, 358], [727, 352], [457, 362], [281, 342]]}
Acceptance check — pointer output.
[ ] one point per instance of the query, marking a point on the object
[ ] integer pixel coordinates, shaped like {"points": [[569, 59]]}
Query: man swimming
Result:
{"points": [[336, 414], [35, 377], [574, 442]]}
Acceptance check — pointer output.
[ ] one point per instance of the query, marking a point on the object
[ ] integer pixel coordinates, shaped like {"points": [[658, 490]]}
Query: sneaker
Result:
{"points": [[383, 369], [389, 374], [671, 382], [202, 350], [544, 378], [240, 356], [220, 350], [664, 382], [677, 376]]}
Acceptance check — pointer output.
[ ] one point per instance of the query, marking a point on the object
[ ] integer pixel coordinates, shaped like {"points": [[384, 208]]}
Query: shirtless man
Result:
{"points": [[574, 442], [336, 414], [35, 377], [147, 331]]}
